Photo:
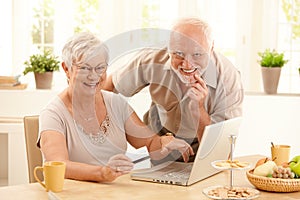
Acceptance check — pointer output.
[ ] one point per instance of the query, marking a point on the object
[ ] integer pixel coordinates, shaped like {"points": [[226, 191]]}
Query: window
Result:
{"points": [[86, 15], [224, 24], [44, 12], [241, 30], [42, 30], [289, 42]]}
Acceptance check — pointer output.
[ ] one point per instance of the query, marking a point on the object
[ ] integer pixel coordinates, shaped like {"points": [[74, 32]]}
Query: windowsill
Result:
{"points": [[58, 84], [59, 87], [251, 93]]}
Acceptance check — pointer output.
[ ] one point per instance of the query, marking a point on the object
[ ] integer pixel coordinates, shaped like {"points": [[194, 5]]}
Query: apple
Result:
{"points": [[262, 161], [265, 169], [295, 165]]}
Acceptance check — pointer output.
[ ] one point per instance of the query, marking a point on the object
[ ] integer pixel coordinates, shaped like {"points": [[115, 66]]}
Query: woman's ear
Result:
{"points": [[66, 69], [212, 46], [64, 66]]}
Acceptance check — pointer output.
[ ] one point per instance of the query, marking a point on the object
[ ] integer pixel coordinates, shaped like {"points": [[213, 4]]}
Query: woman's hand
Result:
{"points": [[120, 163], [170, 143], [116, 166]]}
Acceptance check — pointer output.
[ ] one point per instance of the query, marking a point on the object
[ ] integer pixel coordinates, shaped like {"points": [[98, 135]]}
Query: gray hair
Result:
{"points": [[81, 47], [200, 24]]}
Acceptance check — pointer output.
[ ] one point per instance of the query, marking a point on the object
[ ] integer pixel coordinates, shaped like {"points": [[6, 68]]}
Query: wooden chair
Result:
{"points": [[34, 156]]}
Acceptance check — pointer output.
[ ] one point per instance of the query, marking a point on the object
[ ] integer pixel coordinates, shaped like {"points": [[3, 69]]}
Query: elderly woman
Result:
{"points": [[88, 128]]}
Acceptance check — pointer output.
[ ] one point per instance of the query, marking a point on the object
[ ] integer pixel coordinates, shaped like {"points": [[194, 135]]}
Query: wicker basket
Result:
{"points": [[273, 184]]}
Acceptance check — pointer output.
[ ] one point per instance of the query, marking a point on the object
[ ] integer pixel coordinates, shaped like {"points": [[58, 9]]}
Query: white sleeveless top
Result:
{"points": [[80, 148]]}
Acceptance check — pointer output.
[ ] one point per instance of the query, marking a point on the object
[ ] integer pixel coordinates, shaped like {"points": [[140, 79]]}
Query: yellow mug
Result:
{"points": [[54, 175], [280, 154]]}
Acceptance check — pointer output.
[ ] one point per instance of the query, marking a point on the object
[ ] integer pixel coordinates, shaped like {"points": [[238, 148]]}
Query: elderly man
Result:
{"points": [[190, 84]]}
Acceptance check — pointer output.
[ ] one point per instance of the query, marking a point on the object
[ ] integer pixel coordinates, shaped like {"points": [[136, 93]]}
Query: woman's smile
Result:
{"points": [[91, 85]]}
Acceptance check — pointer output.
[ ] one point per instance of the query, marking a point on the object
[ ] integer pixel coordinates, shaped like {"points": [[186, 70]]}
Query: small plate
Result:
{"points": [[215, 164], [207, 190]]}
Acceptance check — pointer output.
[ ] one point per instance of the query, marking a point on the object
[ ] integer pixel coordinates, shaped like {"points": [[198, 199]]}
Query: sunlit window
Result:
{"points": [[223, 22], [289, 43], [42, 30], [239, 27]]}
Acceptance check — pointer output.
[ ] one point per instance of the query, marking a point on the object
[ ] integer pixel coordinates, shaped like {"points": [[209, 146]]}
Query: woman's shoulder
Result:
{"points": [[111, 95], [55, 106], [114, 101], [107, 94], [55, 103]]}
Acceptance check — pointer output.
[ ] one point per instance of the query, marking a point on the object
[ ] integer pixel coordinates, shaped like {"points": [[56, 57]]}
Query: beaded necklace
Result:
{"points": [[100, 137]]}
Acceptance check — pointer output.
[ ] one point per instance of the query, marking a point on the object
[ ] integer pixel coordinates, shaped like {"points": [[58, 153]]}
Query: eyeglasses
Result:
{"points": [[88, 69]]}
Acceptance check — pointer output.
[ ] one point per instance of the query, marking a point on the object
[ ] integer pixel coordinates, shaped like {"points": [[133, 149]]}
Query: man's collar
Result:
{"points": [[210, 74]]}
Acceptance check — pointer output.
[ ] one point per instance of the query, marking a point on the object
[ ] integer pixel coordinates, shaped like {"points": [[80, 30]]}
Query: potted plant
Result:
{"points": [[42, 65], [271, 63]]}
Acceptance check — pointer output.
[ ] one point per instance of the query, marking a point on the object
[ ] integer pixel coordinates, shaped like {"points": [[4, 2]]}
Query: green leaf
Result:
{"points": [[41, 63], [269, 176], [271, 58]]}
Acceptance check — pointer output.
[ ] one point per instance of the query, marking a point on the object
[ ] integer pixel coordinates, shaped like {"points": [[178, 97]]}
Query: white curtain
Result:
{"points": [[6, 38]]}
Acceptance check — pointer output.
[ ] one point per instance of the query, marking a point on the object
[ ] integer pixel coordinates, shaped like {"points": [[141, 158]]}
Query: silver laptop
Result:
{"points": [[214, 145]]}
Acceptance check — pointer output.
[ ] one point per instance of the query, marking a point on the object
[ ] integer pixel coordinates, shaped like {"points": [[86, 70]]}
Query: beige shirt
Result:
{"points": [[169, 108], [56, 116]]}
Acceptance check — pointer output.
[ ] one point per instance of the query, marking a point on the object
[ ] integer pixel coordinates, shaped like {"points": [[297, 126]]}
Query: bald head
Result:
{"points": [[193, 29]]}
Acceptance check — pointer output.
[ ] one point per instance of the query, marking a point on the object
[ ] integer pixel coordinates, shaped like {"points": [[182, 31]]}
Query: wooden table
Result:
{"points": [[124, 188]]}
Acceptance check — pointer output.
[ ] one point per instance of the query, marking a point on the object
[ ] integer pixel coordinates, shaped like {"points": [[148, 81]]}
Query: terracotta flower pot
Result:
{"points": [[43, 80], [270, 77]]}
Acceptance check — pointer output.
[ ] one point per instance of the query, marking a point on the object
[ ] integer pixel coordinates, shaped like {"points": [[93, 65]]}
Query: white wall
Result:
{"points": [[269, 118]]}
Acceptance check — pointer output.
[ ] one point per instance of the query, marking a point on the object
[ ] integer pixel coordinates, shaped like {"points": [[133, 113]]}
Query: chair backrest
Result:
{"points": [[34, 156]]}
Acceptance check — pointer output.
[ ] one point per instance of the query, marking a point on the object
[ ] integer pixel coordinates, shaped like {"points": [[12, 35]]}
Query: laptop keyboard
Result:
{"points": [[182, 174]]}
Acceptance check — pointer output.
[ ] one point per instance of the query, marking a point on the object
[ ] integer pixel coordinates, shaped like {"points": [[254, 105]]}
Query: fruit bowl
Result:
{"points": [[273, 184]]}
